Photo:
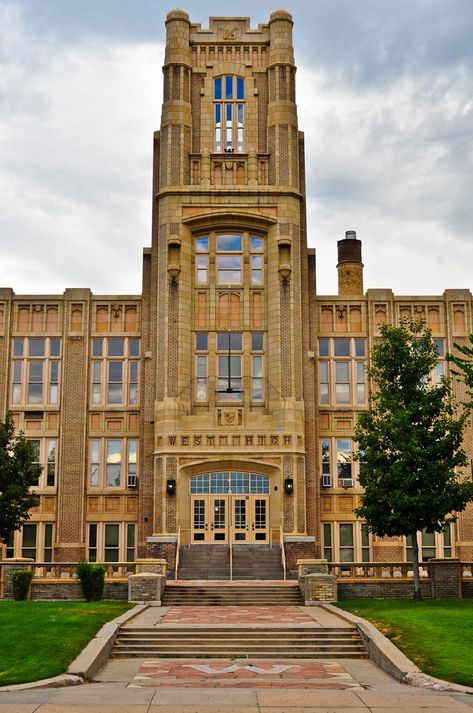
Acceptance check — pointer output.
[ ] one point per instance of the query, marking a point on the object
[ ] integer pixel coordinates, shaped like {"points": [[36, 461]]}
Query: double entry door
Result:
{"points": [[238, 519]]}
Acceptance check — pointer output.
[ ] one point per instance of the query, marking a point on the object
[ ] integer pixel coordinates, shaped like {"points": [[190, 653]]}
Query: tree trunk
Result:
{"points": [[415, 566]]}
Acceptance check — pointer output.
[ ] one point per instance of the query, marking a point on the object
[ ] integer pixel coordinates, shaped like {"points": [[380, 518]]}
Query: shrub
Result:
{"points": [[21, 580], [92, 580]]}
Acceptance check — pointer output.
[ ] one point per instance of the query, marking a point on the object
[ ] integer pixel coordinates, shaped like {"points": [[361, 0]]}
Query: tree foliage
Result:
{"points": [[463, 368], [410, 441], [18, 473]]}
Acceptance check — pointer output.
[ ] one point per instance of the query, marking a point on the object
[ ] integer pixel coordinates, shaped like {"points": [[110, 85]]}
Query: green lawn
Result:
{"points": [[40, 639], [436, 635]]}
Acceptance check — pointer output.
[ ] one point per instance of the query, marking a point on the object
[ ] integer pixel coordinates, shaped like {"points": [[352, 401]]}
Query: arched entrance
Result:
{"points": [[229, 507]]}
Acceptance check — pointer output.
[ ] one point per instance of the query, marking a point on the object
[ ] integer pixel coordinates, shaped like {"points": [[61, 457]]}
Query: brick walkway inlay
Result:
{"points": [[237, 615], [241, 673]]}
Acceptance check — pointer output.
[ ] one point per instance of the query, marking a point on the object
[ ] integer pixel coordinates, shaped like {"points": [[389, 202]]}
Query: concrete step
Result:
{"points": [[213, 562], [245, 642]]}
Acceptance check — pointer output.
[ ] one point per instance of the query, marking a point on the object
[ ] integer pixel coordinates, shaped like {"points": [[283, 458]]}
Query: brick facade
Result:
{"points": [[246, 181]]}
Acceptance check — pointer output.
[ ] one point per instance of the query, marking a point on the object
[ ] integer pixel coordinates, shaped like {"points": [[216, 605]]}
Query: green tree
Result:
{"points": [[18, 472], [463, 368], [410, 441]]}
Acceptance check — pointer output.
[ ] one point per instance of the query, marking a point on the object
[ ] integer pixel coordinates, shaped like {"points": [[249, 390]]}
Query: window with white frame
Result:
{"points": [[35, 371], [111, 542], [115, 371], [229, 95], [113, 462], [342, 371]]}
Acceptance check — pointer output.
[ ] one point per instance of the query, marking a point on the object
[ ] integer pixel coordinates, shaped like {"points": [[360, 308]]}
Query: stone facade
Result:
{"points": [[217, 406]]}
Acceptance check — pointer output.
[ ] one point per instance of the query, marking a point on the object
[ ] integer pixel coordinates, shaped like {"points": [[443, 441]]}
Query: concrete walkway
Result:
{"points": [[237, 685]]}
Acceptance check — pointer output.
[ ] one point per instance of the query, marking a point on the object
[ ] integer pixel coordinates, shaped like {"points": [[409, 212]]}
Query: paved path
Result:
{"points": [[239, 685]]}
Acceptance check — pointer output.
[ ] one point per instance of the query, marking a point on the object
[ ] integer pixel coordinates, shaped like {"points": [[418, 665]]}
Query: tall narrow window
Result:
{"points": [[115, 382], [326, 469], [94, 462], [17, 378], [112, 543], [229, 378], [328, 551], [323, 382], [35, 382], [257, 378], [201, 245], [229, 95], [36, 443], [344, 460], [51, 463], [28, 548], [130, 543], [342, 382], [48, 543], [201, 384], [131, 474], [92, 543], [53, 382], [97, 382], [365, 543], [346, 542], [114, 462], [360, 383]]}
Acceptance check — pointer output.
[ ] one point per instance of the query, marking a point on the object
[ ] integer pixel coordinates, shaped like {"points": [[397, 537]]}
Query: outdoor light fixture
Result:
{"points": [[289, 486], [171, 486]]}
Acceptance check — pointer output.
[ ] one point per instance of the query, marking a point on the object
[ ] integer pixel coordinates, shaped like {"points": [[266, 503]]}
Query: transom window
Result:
{"points": [[227, 483], [229, 94]]}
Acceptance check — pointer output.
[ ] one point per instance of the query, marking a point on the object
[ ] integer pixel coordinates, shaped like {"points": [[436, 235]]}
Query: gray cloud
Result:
{"points": [[385, 98]]}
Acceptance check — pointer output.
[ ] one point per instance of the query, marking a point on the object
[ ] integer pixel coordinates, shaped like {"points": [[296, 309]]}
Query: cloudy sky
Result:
{"points": [[385, 97]]}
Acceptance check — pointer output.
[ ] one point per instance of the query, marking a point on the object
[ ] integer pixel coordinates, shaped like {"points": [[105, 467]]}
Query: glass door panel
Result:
{"points": [[218, 526], [240, 524], [260, 523], [200, 525]]}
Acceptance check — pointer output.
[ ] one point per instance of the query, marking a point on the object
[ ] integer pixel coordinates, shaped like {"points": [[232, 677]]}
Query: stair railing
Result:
{"points": [[283, 554], [176, 564], [230, 549]]}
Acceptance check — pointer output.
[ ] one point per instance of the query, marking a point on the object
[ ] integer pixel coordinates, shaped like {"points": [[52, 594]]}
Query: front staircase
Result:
{"points": [[232, 594], [248, 642], [200, 562]]}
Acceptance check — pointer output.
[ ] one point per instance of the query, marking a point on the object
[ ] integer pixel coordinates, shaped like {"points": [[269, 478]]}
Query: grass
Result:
{"points": [[436, 635], [40, 639]]}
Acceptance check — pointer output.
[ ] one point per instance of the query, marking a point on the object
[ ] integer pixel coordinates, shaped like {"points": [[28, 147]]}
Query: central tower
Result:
{"points": [[227, 288]]}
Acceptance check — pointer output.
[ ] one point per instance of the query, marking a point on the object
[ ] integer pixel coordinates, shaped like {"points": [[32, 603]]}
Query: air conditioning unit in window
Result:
{"points": [[131, 480], [326, 481], [346, 483]]}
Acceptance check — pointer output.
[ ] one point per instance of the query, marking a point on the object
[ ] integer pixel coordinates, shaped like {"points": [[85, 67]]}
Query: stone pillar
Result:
{"points": [[311, 566], [151, 566], [282, 112], [13, 565], [318, 588], [445, 578], [146, 588]]}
